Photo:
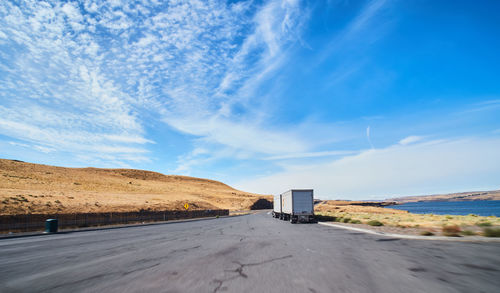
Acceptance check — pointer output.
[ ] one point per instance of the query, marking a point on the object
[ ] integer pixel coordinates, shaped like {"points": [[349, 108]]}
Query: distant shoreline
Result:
{"points": [[478, 207], [462, 196], [433, 218]]}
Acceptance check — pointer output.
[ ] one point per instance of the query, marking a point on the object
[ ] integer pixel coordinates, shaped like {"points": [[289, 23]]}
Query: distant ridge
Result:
{"points": [[461, 196]]}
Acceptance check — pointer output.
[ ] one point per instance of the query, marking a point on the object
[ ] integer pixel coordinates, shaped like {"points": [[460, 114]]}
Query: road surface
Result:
{"points": [[253, 253]]}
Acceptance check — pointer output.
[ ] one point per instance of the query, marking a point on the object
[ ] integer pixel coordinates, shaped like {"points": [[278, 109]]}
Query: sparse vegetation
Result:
{"points": [[325, 218], [400, 219], [375, 223], [483, 224], [468, 233], [355, 222], [491, 232], [426, 233]]}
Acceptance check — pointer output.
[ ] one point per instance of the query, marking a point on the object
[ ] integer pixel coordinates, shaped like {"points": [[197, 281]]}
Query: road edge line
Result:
{"points": [[417, 237]]}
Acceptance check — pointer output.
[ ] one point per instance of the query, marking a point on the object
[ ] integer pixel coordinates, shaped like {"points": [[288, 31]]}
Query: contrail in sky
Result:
{"points": [[368, 137]]}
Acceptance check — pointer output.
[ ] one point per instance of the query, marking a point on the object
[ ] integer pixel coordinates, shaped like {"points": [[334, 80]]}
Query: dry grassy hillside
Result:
{"points": [[34, 188]]}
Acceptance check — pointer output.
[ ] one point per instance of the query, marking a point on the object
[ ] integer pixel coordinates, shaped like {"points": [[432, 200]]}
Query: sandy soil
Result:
{"points": [[34, 188]]}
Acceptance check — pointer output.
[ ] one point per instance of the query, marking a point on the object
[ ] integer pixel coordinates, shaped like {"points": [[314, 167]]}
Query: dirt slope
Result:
{"points": [[34, 188]]}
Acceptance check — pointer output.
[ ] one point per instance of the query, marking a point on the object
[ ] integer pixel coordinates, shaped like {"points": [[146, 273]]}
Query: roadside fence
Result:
{"points": [[35, 222]]}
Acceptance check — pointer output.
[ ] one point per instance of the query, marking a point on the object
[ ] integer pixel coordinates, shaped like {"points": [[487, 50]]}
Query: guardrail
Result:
{"points": [[35, 222]]}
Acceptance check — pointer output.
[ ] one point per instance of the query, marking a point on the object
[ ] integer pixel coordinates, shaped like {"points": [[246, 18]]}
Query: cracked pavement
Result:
{"points": [[251, 253]]}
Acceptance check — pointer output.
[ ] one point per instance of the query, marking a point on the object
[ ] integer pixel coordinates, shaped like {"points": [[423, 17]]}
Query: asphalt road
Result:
{"points": [[253, 253]]}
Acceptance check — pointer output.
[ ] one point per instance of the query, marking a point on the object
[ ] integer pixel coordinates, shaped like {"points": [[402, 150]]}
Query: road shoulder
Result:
{"points": [[442, 238]]}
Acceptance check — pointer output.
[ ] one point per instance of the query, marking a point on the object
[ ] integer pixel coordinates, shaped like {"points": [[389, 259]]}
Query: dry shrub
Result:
{"points": [[326, 218], [468, 233], [375, 223], [491, 232], [453, 231], [426, 233]]}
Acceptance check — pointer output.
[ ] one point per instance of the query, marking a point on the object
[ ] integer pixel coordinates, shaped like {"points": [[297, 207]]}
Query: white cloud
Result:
{"points": [[410, 139], [240, 136], [56, 95], [72, 12], [367, 14], [44, 149], [431, 167], [488, 105], [310, 155], [40, 148], [83, 77], [206, 110]]}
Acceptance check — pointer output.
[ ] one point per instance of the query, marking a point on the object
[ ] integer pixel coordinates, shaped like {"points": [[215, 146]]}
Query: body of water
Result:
{"points": [[480, 207]]}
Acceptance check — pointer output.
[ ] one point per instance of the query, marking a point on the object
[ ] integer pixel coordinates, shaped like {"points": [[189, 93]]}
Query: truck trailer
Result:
{"points": [[295, 205]]}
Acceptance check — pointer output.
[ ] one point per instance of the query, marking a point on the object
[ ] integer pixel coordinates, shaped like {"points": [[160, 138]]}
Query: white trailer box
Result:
{"points": [[277, 206], [297, 205]]}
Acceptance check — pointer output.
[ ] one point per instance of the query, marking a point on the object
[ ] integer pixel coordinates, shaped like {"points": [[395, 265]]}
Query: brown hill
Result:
{"points": [[462, 196], [34, 188]]}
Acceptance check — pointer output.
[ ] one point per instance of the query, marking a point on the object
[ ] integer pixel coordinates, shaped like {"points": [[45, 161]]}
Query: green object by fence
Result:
{"points": [[51, 226]]}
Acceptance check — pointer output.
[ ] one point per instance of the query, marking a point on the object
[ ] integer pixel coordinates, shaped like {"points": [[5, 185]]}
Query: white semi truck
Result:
{"points": [[295, 205]]}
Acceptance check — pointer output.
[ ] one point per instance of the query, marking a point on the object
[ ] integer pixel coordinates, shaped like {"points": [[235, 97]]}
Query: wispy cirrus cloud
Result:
{"points": [[230, 117], [365, 20], [410, 139], [81, 78], [311, 155]]}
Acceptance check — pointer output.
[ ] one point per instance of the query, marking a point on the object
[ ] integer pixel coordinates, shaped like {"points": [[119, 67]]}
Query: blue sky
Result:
{"points": [[356, 99]]}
